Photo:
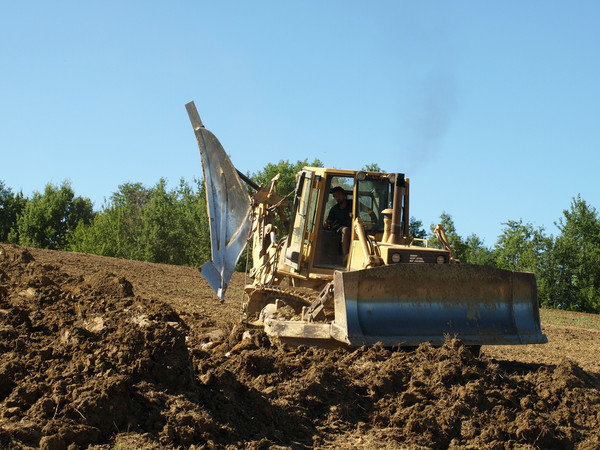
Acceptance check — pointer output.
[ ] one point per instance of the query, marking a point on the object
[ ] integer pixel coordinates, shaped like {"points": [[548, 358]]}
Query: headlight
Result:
{"points": [[360, 176], [395, 257], [441, 259]]}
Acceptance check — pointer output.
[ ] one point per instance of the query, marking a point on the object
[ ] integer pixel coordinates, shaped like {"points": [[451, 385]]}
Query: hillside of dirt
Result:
{"points": [[105, 353]]}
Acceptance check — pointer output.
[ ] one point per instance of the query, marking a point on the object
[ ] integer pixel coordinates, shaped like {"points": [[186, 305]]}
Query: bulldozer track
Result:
{"points": [[297, 297]]}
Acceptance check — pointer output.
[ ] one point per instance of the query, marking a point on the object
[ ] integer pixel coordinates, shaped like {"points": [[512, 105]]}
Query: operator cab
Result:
{"points": [[328, 247], [369, 193], [372, 196]]}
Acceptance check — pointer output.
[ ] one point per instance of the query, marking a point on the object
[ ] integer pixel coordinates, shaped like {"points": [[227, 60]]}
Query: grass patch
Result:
{"points": [[570, 318]]}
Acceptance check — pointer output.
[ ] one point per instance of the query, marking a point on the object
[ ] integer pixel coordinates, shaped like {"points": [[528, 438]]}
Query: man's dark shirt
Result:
{"points": [[339, 217]]}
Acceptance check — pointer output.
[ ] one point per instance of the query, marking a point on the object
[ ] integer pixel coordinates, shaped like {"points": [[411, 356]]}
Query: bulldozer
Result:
{"points": [[362, 282]]}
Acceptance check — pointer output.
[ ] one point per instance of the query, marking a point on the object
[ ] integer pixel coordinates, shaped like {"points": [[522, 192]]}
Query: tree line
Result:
{"points": [[158, 224]]}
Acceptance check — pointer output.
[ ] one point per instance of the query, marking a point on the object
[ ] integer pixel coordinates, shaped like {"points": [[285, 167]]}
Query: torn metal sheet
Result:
{"points": [[229, 207]]}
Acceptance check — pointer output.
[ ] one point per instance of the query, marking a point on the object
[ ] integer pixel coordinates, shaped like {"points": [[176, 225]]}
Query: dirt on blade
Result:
{"points": [[106, 353]]}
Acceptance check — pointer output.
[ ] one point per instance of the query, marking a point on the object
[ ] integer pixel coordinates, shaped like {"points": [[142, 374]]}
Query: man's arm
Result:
{"points": [[330, 218], [365, 209]]}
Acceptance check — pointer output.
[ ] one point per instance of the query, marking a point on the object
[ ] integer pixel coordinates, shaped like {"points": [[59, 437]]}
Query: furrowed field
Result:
{"points": [[101, 352]]}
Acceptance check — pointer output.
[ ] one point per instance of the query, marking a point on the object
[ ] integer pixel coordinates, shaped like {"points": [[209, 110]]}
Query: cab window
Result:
{"points": [[373, 197], [328, 250]]}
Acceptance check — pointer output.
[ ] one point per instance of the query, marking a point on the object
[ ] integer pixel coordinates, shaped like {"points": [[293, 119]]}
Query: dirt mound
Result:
{"points": [[89, 361]]}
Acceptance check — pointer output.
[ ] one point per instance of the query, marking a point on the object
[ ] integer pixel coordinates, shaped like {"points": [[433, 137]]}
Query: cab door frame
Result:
{"points": [[295, 251]]}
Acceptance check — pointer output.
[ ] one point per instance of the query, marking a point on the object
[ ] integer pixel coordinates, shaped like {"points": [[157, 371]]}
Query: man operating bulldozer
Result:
{"points": [[339, 218], [389, 291]]}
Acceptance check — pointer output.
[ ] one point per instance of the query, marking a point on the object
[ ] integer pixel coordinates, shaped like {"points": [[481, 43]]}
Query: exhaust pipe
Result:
{"points": [[396, 232]]}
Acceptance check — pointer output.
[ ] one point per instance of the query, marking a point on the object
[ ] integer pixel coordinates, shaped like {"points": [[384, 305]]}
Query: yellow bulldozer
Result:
{"points": [[348, 272]]}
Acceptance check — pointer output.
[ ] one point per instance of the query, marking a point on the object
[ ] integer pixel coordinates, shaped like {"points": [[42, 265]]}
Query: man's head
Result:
{"points": [[339, 194]]}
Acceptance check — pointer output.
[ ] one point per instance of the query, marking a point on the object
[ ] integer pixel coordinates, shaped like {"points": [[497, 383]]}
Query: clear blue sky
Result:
{"points": [[490, 108]]}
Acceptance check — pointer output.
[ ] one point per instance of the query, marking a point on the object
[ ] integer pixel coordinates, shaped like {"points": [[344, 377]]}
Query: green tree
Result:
{"points": [[416, 230], [194, 222], [457, 244], [160, 233], [99, 237], [11, 207], [287, 170], [117, 229], [150, 224], [48, 218], [286, 184], [176, 229], [573, 274], [469, 251], [373, 167], [522, 247], [476, 252], [127, 213]]}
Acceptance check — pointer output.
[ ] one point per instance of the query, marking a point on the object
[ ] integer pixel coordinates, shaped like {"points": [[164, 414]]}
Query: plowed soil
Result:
{"points": [[105, 353]]}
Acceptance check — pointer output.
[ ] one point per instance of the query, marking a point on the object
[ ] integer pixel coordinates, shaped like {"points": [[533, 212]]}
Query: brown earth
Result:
{"points": [[106, 353]]}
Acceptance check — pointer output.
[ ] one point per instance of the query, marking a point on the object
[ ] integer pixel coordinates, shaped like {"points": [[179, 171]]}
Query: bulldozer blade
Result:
{"points": [[407, 304], [229, 207]]}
